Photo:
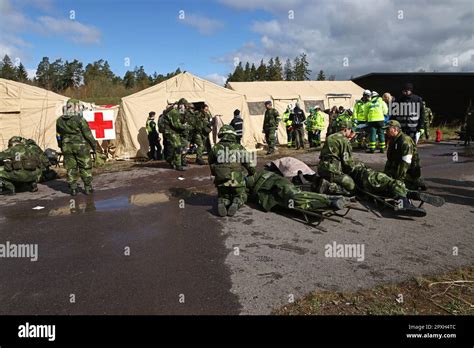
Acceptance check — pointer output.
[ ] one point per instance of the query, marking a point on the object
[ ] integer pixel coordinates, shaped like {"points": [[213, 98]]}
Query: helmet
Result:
{"points": [[226, 129], [367, 92], [374, 94], [345, 124], [289, 106], [183, 101], [317, 107], [15, 140]]}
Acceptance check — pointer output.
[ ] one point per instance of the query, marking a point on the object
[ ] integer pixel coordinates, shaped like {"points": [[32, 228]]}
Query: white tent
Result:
{"points": [[281, 93], [130, 126], [29, 112]]}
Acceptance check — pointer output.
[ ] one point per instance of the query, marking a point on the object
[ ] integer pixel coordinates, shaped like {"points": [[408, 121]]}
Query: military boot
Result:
{"points": [[73, 191], [33, 187], [407, 208], [88, 189], [337, 202], [221, 207], [426, 197], [233, 207], [322, 185]]}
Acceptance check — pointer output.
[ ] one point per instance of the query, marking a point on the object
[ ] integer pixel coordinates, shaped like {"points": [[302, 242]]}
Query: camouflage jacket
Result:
{"points": [[20, 157], [271, 119], [337, 153], [74, 129], [401, 156]]}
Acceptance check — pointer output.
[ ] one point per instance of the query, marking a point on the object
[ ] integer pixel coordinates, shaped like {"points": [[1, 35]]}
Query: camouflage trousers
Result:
{"points": [[270, 138], [78, 162], [378, 183], [340, 183], [198, 140], [175, 149], [8, 179], [231, 194]]}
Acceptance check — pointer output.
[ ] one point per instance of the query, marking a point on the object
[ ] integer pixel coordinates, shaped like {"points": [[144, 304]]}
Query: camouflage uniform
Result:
{"points": [[175, 131], [335, 162], [270, 125], [270, 189], [76, 140], [200, 131], [46, 172], [229, 171], [19, 165], [427, 119], [403, 162]]}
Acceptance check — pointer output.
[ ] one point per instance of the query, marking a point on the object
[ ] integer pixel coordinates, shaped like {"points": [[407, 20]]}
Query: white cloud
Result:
{"points": [[204, 25], [216, 78], [72, 29], [369, 34]]}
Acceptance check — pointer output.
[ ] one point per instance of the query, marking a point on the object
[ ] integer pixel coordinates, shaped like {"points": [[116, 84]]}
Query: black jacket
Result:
{"points": [[409, 114], [297, 118]]}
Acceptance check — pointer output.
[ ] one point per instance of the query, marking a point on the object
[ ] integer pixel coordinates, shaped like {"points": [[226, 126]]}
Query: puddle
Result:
{"points": [[111, 204]]}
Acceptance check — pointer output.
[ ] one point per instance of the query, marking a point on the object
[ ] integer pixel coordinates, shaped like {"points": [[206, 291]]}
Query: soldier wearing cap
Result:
{"points": [[174, 130], [403, 162], [270, 125]]}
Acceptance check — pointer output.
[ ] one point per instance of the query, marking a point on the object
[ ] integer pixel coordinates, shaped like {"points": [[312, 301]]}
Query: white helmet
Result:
{"points": [[375, 94], [367, 92], [289, 106]]}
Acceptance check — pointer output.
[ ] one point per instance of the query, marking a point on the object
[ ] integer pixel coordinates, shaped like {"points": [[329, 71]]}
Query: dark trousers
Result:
{"points": [[155, 147], [298, 135]]}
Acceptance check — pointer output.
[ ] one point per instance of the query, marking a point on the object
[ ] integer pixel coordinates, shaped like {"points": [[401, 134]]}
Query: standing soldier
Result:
{"points": [[174, 131], [227, 160], [270, 125], [153, 137], [19, 164], [297, 118], [161, 129], [427, 120], [289, 131], [375, 113], [238, 124], [208, 123], [403, 162], [197, 122], [75, 140]]}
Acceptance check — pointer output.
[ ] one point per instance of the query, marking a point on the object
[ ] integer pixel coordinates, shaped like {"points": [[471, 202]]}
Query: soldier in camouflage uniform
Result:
{"points": [[46, 172], [175, 130], [270, 126], [270, 189], [227, 160], [340, 174], [75, 140], [19, 164], [427, 119], [200, 131], [403, 162]]}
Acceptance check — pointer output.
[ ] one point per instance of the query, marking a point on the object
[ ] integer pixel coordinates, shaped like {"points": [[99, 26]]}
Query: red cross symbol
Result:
{"points": [[99, 125]]}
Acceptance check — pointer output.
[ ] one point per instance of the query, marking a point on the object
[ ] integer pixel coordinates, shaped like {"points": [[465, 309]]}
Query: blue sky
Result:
{"points": [[343, 37]]}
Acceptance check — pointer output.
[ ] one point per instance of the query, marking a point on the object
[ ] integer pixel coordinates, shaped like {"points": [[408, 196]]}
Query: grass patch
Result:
{"points": [[447, 294]]}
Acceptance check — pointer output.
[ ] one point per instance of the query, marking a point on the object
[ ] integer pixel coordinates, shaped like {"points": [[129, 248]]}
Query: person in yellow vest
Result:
{"points": [[375, 112], [287, 122], [318, 125]]}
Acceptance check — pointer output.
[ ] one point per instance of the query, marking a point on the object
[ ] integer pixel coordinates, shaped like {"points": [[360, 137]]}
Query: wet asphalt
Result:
{"points": [[147, 242]]}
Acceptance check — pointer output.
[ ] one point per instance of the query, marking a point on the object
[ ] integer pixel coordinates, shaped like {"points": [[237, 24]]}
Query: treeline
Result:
{"points": [[95, 82], [273, 70]]}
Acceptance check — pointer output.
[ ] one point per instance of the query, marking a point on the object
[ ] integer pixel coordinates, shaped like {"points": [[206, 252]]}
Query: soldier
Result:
{"points": [[427, 120], [375, 112], [289, 130], [161, 130], [403, 162], [174, 132], [198, 122], [270, 189], [227, 160], [270, 125], [153, 137], [208, 123], [75, 140], [46, 158], [19, 164], [336, 161]]}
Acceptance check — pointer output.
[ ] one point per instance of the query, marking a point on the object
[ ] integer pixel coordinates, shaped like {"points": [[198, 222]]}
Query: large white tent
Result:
{"points": [[307, 93], [30, 112], [130, 126]]}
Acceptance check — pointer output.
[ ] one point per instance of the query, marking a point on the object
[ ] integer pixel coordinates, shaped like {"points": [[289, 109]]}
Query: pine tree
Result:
{"points": [[239, 73], [288, 70], [297, 71], [73, 73], [21, 73], [261, 71], [270, 70], [247, 72], [321, 76], [43, 78], [253, 73], [306, 72], [7, 70], [129, 79], [278, 70]]}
